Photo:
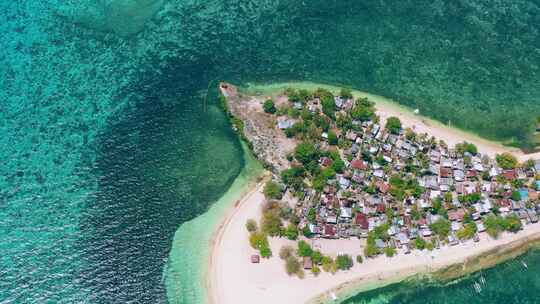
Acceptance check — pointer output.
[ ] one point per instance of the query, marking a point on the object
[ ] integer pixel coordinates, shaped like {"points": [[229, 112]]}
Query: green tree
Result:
{"points": [[512, 223], [285, 252], [390, 251], [294, 177], [315, 270], [345, 93], [269, 106], [467, 231], [271, 223], [463, 147], [516, 196], [304, 250], [251, 225], [441, 227], [344, 262], [292, 95], [291, 232], [332, 138], [312, 215], [329, 107], [304, 95], [328, 264], [306, 232], [316, 257], [363, 110], [258, 240], [493, 225], [393, 124], [506, 161], [292, 265], [327, 102], [420, 243], [272, 190], [265, 252], [306, 152], [338, 165]]}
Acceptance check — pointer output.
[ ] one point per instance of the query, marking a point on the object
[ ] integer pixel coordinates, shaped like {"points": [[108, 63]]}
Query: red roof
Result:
{"points": [[381, 208], [456, 215], [446, 172], [358, 164], [505, 202], [383, 187], [329, 230], [326, 162], [510, 174], [361, 219], [471, 173]]}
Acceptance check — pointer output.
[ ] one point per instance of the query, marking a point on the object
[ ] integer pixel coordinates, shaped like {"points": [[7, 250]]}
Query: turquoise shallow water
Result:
{"points": [[109, 143]]}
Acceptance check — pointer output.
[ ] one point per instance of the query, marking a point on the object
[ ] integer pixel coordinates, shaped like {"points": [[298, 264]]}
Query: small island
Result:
{"points": [[352, 189]]}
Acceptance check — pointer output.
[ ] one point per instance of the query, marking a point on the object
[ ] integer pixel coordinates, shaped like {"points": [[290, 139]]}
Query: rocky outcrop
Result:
{"points": [[268, 143]]}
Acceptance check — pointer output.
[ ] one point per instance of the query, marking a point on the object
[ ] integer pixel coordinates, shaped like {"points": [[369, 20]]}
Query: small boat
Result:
{"points": [[482, 280], [477, 287], [333, 296], [524, 265]]}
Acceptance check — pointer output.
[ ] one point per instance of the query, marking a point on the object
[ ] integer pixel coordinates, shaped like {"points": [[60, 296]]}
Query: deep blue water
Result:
{"points": [[108, 141]]}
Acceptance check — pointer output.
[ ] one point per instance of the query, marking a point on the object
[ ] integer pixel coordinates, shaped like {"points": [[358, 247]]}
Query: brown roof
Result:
{"points": [[383, 187], [308, 264], [456, 215], [255, 259], [446, 172], [510, 174], [361, 219], [358, 164], [381, 208], [471, 173], [326, 162], [329, 230]]}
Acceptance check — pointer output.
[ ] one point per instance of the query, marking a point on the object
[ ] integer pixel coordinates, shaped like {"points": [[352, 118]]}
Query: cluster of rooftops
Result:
{"points": [[461, 184]]}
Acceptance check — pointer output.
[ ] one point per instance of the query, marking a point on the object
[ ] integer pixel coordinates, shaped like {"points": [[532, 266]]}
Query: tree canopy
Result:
{"points": [[269, 106], [272, 190], [393, 124], [306, 152], [506, 161]]}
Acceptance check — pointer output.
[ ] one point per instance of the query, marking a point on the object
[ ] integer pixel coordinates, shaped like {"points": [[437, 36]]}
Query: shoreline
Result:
{"points": [[188, 258], [233, 279], [267, 282], [509, 249], [387, 107], [217, 237]]}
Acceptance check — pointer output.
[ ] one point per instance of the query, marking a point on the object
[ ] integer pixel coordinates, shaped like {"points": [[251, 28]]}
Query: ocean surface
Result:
{"points": [[113, 145], [515, 281]]}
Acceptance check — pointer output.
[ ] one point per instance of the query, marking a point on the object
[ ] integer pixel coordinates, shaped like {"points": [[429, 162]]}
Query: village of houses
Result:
{"points": [[452, 187], [396, 189]]}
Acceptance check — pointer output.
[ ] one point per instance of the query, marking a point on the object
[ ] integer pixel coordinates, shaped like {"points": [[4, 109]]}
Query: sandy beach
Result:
{"points": [[233, 279]]}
